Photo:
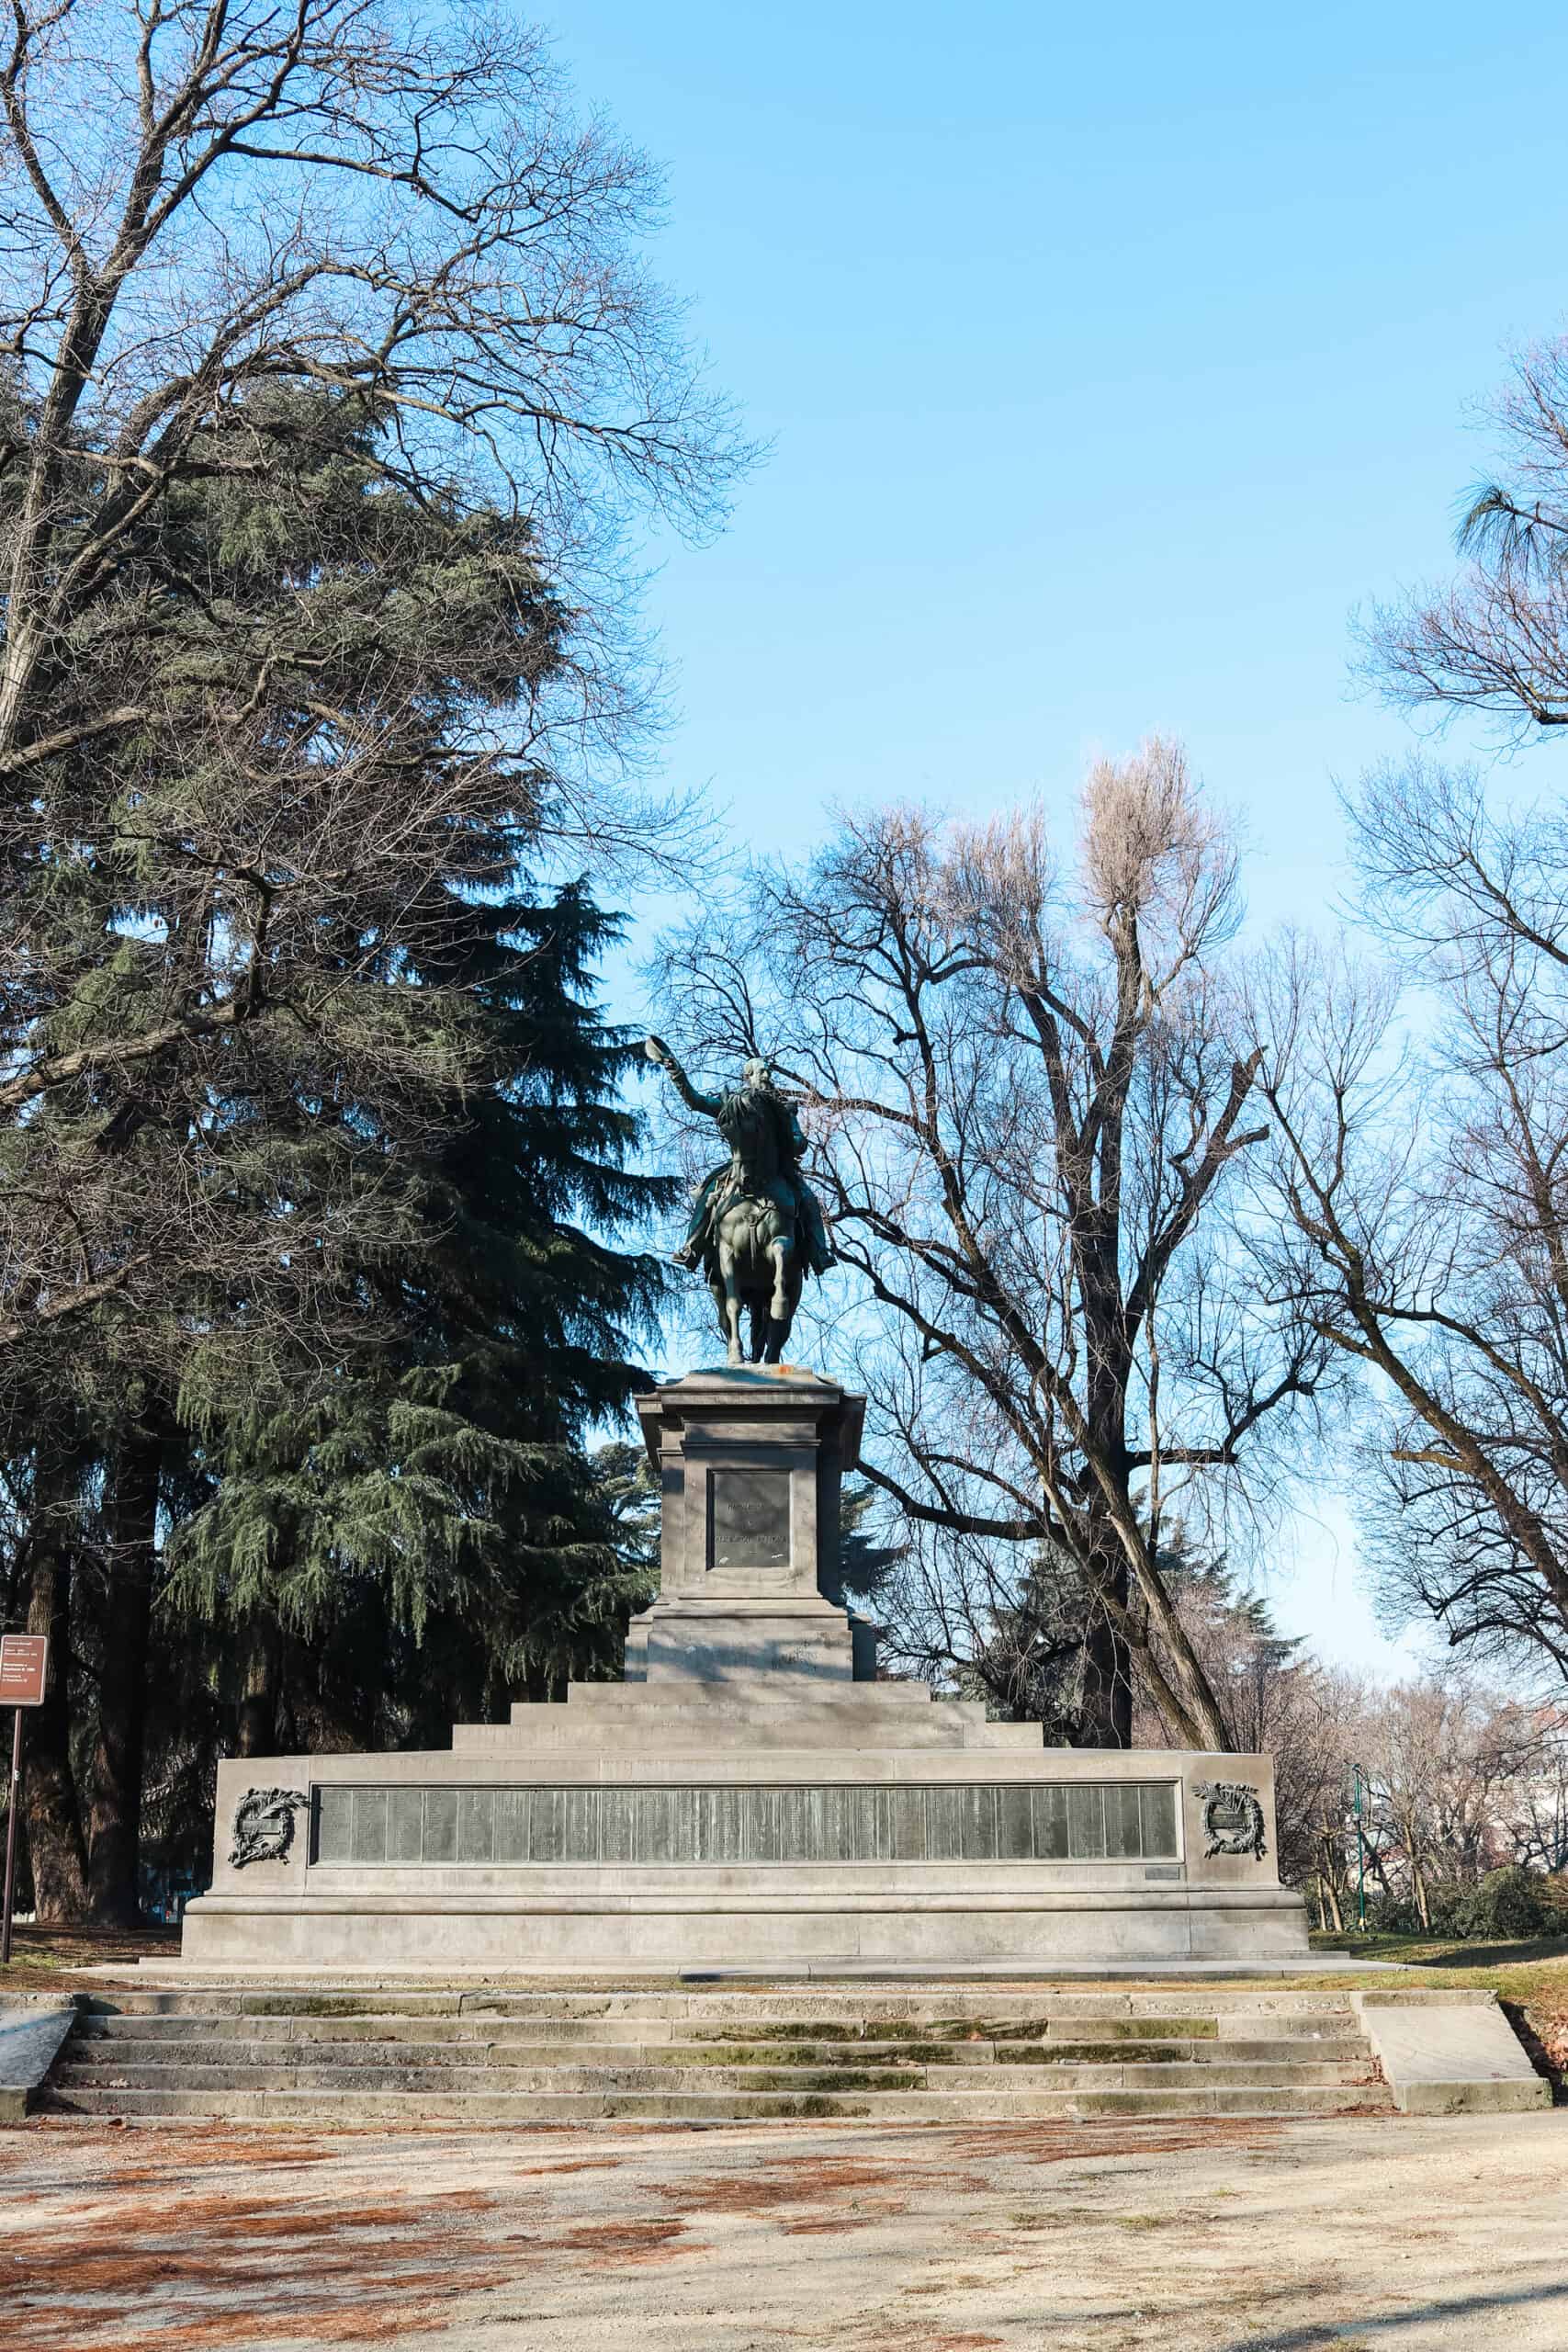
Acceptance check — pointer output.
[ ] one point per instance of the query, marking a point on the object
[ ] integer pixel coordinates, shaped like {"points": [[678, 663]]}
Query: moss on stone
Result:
{"points": [[1089, 2053]]}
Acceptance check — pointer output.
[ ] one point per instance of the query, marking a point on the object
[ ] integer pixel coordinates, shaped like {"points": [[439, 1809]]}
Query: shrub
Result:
{"points": [[1508, 1903], [1389, 1915]]}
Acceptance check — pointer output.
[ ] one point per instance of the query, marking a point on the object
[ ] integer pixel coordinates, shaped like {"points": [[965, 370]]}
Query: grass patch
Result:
{"points": [[1444, 1951]]}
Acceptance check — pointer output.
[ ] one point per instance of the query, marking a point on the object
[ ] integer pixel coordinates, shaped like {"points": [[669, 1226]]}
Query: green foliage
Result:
{"points": [[628, 1490], [373, 1196], [344, 750], [865, 1566], [1509, 1904], [443, 1469], [1393, 1915]]}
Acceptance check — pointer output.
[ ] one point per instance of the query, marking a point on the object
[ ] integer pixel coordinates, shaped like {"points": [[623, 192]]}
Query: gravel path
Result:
{"points": [[1401, 2234]]}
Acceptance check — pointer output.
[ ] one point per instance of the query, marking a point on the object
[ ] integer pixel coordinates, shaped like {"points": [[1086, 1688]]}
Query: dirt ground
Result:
{"points": [[1398, 2233]]}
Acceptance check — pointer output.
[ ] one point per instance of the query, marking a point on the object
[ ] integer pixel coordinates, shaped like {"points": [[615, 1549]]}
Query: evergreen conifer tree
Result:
{"points": [[431, 1513], [356, 1216]]}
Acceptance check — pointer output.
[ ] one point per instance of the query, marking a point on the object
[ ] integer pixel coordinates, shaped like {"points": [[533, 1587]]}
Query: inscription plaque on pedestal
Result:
{"points": [[748, 1513], [977, 1821]]}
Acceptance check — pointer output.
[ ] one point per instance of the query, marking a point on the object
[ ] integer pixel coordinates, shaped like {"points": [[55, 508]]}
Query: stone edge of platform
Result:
{"points": [[1450, 2051], [363, 1978], [32, 2027]]}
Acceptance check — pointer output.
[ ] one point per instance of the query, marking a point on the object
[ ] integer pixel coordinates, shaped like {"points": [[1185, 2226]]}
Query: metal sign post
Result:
{"points": [[24, 1675]]}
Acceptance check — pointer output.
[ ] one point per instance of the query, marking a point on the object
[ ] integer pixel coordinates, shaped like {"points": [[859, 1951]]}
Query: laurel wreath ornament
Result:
{"points": [[1233, 1818], [263, 1826]]}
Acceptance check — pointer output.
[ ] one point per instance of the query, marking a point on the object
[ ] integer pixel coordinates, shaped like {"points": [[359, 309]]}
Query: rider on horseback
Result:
{"points": [[754, 1113]]}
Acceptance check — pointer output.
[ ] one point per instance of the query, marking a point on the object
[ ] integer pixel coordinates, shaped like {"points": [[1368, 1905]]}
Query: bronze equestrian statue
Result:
{"points": [[756, 1228]]}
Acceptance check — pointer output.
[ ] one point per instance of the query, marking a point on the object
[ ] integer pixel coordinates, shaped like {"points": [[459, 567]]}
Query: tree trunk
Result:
{"points": [[256, 1731], [1120, 1551], [115, 1809], [1418, 1888], [1106, 1714], [1189, 1692], [51, 1811], [1330, 1893]]}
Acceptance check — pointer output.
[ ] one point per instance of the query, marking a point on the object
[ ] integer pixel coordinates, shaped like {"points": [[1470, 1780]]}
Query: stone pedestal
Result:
{"points": [[751, 1796], [750, 1465]]}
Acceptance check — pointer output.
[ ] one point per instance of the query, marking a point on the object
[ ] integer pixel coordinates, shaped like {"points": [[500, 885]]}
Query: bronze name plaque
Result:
{"points": [[1120, 1820], [749, 1519]]}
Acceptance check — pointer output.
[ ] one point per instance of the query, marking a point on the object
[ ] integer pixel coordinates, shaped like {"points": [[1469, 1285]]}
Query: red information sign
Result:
{"points": [[23, 1668], [24, 1671]]}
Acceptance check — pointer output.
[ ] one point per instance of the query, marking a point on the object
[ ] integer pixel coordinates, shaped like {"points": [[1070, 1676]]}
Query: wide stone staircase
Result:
{"points": [[944, 2054]]}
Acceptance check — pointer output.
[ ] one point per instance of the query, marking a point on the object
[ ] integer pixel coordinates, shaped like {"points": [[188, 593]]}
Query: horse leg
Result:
{"points": [[780, 1253], [780, 1311], [785, 1324], [731, 1302]]}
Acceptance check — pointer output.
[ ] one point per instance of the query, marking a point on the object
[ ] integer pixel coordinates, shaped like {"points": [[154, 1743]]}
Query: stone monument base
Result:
{"points": [[577, 1848], [752, 1801]]}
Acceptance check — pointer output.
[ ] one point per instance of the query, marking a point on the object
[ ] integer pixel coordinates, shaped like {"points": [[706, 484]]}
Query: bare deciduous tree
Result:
{"points": [[1422, 1202], [1455, 1780], [1421, 1136], [1494, 641], [1533, 1808], [244, 249], [200, 198], [1445, 1768], [1028, 1093], [1279, 1700]]}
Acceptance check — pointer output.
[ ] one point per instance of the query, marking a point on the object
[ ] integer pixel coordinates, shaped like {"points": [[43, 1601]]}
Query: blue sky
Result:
{"points": [[1109, 362]]}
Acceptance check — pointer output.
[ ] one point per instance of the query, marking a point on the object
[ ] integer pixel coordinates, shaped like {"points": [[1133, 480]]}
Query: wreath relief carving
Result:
{"points": [[263, 1826], [1233, 1818]]}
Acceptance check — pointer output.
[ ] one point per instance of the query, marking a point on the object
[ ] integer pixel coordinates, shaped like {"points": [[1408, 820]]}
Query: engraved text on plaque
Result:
{"points": [[749, 1518]]}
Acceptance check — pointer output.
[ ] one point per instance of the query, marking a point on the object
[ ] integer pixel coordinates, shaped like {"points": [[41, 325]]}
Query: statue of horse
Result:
{"points": [[756, 1227]]}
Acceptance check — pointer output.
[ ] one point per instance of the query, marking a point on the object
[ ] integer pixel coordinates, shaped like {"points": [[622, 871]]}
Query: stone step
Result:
{"points": [[329, 2048], [337, 2108], [308, 2072], [563, 2038], [838, 1730], [815, 2015], [759, 1691], [333, 2053]]}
